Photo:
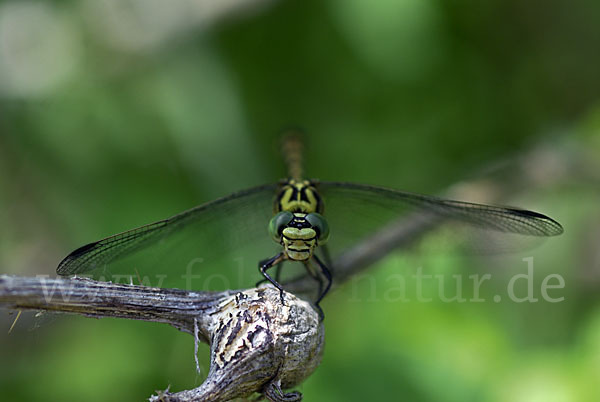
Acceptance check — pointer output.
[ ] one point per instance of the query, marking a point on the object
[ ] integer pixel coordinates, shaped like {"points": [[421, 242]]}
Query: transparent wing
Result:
{"points": [[355, 211], [218, 244], [201, 239]]}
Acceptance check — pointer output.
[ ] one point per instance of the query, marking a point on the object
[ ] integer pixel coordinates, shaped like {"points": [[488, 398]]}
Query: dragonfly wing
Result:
{"points": [[355, 211], [202, 234]]}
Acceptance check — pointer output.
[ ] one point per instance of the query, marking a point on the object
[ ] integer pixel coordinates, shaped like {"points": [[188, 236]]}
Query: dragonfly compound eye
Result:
{"points": [[278, 223], [319, 223]]}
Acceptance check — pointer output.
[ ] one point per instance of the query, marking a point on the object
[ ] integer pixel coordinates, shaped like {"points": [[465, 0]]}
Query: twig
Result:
{"points": [[103, 299]]}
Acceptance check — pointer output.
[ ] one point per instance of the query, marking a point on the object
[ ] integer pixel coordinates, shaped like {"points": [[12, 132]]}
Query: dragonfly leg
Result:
{"points": [[264, 265], [277, 274], [327, 276], [316, 276], [326, 255]]}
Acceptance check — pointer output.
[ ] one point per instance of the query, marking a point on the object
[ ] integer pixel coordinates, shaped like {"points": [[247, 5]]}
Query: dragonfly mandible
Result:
{"points": [[299, 217]]}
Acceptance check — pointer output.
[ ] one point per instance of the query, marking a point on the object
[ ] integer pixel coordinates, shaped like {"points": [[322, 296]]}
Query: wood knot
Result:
{"points": [[258, 344]]}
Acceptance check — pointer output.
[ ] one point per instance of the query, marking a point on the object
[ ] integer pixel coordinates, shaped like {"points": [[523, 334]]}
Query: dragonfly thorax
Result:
{"points": [[298, 196]]}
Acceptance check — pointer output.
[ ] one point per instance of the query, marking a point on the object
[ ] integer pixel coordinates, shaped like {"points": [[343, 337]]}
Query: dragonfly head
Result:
{"points": [[299, 233]]}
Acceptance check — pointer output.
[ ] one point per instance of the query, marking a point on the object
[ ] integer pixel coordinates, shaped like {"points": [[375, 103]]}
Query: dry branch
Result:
{"points": [[257, 344]]}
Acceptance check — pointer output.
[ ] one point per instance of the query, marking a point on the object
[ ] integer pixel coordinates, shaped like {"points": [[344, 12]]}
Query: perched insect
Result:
{"points": [[300, 212]]}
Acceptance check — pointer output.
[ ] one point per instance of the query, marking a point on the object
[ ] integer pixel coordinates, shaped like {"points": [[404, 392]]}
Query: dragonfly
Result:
{"points": [[303, 220]]}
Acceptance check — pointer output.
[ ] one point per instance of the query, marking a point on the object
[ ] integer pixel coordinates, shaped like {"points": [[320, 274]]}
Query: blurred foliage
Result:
{"points": [[117, 113]]}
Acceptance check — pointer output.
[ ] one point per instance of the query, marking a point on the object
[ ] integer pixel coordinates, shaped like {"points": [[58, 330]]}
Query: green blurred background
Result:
{"points": [[117, 113]]}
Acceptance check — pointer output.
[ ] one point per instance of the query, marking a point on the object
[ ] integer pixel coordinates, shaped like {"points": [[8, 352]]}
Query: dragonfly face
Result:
{"points": [[299, 233]]}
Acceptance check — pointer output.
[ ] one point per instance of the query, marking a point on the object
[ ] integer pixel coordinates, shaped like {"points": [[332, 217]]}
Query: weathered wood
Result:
{"points": [[257, 343]]}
